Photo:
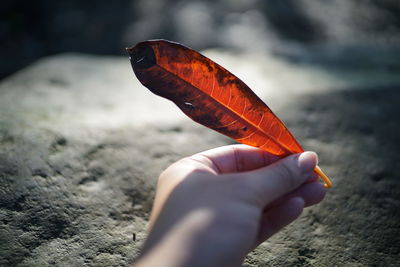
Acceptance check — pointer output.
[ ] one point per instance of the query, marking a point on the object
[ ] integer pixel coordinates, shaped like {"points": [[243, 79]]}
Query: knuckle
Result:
{"points": [[171, 171]]}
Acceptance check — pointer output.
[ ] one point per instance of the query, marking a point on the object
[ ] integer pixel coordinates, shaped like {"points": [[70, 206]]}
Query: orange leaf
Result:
{"points": [[212, 96]]}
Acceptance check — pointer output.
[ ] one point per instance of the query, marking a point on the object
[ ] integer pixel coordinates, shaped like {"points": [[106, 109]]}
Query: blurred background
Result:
{"points": [[82, 142], [336, 32]]}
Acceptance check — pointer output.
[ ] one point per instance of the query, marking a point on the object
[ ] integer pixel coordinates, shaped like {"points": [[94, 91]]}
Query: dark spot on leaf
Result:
{"points": [[142, 56]]}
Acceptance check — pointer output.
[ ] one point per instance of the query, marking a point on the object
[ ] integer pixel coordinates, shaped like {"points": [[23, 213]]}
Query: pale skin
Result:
{"points": [[213, 208]]}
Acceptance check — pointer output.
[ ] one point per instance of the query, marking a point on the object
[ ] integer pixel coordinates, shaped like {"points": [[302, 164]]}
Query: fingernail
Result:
{"points": [[307, 161]]}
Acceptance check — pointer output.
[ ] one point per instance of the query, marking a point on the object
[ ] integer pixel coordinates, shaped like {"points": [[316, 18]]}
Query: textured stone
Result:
{"points": [[82, 144]]}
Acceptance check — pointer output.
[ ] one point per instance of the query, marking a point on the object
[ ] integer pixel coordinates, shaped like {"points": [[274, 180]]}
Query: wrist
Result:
{"points": [[192, 242]]}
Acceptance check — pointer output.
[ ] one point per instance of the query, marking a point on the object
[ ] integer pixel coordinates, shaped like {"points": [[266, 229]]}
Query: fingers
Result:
{"points": [[287, 209], [312, 193], [235, 158], [280, 216], [278, 179]]}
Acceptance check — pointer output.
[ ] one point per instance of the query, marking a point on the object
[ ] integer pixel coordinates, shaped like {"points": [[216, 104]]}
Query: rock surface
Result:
{"points": [[82, 144]]}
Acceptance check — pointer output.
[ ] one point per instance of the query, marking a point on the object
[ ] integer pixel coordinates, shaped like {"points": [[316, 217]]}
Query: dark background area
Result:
{"points": [[309, 31]]}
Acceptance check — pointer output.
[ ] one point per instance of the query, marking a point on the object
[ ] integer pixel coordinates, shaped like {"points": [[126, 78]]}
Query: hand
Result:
{"points": [[213, 208]]}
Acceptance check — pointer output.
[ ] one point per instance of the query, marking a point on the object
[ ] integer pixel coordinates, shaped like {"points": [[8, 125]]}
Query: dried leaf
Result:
{"points": [[212, 96]]}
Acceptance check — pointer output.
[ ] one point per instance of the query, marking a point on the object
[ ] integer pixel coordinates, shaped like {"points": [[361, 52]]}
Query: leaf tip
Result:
{"points": [[141, 56]]}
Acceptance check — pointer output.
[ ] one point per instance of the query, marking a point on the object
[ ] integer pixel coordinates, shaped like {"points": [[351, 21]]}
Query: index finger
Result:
{"points": [[235, 158]]}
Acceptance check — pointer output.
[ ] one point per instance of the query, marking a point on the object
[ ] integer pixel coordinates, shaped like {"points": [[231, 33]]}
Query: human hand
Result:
{"points": [[213, 208]]}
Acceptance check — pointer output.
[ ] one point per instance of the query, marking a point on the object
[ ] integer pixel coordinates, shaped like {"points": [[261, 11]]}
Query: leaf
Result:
{"points": [[211, 96]]}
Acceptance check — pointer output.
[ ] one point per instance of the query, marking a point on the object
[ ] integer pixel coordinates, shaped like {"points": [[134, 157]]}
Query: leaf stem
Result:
{"points": [[323, 176]]}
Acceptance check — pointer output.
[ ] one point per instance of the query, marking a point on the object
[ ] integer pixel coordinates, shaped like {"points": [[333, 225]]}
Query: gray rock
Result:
{"points": [[81, 147], [82, 144]]}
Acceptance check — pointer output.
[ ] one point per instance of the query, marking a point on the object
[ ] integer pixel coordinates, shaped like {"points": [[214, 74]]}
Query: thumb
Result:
{"points": [[269, 183]]}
